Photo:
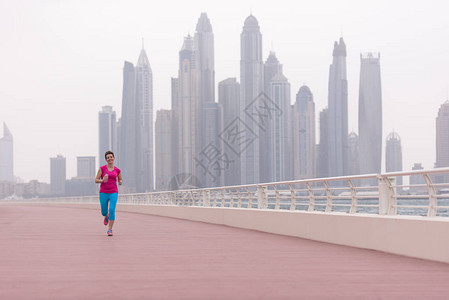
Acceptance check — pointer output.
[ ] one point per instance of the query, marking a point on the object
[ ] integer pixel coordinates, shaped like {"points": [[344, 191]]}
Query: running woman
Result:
{"points": [[108, 175]]}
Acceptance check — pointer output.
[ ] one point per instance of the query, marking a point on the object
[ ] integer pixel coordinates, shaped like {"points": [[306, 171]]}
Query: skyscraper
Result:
{"points": [[393, 155], [266, 137], [6, 155], [304, 135], [107, 132], [442, 140], [136, 144], [163, 149], [204, 45], [279, 130], [370, 114], [174, 128], [338, 112], [144, 95], [57, 175], [271, 68], [210, 121], [323, 152], [276, 135], [188, 109], [128, 128], [251, 85], [229, 100]]}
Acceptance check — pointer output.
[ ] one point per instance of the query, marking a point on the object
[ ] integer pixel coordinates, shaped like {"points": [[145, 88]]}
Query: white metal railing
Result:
{"points": [[371, 193]]}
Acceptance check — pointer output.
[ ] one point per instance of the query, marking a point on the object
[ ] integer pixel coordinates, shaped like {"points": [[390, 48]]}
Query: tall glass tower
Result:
{"points": [[251, 85], [304, 149], [128, 128], [188, 108], [370, 114], [204, 44], [136, 125], [338, 113], [209, 117], [6, 155], [144, 95], [323, 149], [442, 140], [276, 141]]}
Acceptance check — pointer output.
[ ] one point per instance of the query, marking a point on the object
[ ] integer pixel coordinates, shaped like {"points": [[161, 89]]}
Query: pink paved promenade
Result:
{"points": [[64, 253]]}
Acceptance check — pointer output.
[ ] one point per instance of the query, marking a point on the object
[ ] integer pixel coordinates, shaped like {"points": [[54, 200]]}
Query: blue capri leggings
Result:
{"points": [[110, 199]]}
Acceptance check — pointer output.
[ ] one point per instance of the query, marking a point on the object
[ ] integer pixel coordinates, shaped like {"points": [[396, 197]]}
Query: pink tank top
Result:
{"points": [[110, 186]]}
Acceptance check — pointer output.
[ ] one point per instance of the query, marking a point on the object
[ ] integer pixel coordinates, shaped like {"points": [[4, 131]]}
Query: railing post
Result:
{"points": [[278, 198], [222, 202], [192, 199], [387, 196], [231, 201], [311, 197], [206, 198], [293, 196], [353, 209], [173, 198], [215, 200], [183, 198], [250, 198], [167, 198], [432, 196], [238, 197], [262, 197]]}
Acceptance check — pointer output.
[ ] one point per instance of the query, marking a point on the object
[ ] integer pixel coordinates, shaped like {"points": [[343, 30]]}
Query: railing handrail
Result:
{"points": [[329, 195]]}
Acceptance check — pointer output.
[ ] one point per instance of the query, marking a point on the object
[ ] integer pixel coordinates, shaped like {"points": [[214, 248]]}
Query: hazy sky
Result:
{"points": [[62, 61]]}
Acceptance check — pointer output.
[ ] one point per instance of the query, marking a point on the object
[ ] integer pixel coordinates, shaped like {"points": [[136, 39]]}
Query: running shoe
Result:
{"points": [[106, 220], [110, 233]]}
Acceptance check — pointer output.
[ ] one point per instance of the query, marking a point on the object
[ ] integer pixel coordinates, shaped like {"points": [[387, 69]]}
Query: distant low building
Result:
{"points": [[80, 187], [6, 189], [35, 188], [418, 180], [393, 155], [353, 156]]}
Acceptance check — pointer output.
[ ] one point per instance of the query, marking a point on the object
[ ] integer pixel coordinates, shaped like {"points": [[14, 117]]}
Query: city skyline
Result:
{"points": [[63, 98]]}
